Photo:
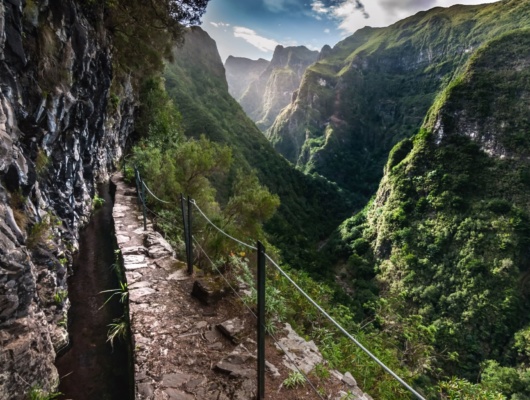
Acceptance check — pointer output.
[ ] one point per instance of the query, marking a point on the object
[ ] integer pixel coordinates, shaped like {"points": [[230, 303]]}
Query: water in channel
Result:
{"points": [[90, 368]]}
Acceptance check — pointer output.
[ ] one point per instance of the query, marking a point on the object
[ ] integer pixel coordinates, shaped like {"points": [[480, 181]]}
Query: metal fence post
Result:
{"points": [[143, 202], [137, 179], [261, 321], [190, 239], [185, 225]]}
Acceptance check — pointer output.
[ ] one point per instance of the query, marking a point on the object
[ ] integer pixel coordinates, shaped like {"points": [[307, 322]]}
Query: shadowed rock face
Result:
{"points": [[268, 93], [59, 135]]}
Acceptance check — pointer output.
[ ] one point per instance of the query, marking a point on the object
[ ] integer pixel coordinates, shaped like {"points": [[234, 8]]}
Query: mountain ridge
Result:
{"points": [[272, 90], [241, 72], [375, 87]]}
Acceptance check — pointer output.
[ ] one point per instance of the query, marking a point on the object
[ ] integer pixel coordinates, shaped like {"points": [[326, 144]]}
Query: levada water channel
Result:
{"points": [[91, 368]]}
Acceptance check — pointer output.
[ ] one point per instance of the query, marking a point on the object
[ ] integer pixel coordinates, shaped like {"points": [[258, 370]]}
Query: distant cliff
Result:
{"points": [[62, 129], [241, 72], [265, 96]]}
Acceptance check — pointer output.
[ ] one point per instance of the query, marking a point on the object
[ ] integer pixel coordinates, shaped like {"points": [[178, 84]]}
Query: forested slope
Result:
{"points": [[446, 239], [374, 88], [196, 82]]}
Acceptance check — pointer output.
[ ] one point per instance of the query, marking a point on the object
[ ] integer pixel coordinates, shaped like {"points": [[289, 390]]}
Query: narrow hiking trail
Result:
{"points": [[184, 349]]}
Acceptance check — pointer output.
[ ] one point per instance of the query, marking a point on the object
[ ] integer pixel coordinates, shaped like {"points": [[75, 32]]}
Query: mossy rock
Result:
{"points": [[210, 290]]}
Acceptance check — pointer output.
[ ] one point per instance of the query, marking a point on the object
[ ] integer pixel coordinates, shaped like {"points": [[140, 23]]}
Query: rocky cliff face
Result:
{"points": [[266, 96], [241, 72], [374, 88], [62, 130]]}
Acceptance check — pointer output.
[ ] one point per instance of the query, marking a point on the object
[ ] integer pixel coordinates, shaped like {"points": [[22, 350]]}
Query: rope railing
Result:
{"points": [[286, 276], [152, 194], [220, 230]]}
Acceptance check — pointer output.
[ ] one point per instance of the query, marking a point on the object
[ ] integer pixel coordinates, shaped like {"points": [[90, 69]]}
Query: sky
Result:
{"points": [[253, 28]]}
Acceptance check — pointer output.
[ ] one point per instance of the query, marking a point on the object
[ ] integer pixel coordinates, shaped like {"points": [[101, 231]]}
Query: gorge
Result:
{"points": [[389, 173]]}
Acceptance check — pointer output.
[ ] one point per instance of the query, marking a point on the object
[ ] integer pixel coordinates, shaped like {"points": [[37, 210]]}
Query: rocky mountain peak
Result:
{"points": [[266, 95], [241, 72]]}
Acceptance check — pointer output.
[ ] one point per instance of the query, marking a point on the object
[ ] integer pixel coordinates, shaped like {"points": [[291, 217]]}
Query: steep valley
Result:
{"points": [[389, 175], [197, 84]]}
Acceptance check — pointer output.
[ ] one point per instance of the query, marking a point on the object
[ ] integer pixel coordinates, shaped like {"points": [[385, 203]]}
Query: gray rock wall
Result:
{"points": [[60, 134]]}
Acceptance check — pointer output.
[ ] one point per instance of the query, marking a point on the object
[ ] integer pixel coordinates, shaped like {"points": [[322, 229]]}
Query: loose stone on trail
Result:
{"points": [[232, 329]]}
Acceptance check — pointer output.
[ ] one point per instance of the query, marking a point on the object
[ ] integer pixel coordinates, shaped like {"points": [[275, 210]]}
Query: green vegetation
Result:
{"points": [[294, 380], [439, 259], [143, 32], [42, 163], [36, 393], [97, 202], [60, 296], [41, 231], [457, 389], [17, 202], [122, 293], [173, 165], [118, 330]]}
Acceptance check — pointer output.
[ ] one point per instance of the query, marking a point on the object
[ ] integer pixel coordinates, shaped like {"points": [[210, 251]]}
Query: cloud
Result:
{"points": [[219, 24], [319, 7], [348, 7], [345, 12], [262, 43], [326, 30], [349, 13], [396, 6], [277, 6]]}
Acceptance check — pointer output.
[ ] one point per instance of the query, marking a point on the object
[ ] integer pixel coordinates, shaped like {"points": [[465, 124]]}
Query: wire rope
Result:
{"points": [[220, 230], [255, 316], [344, 331], [152, 194]]}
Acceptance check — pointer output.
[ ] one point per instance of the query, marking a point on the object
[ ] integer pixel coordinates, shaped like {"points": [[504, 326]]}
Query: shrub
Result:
{"points": [[41, 163], [118, 329], [17, 203], [294, 380], [36, 393], [97, 202]]}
